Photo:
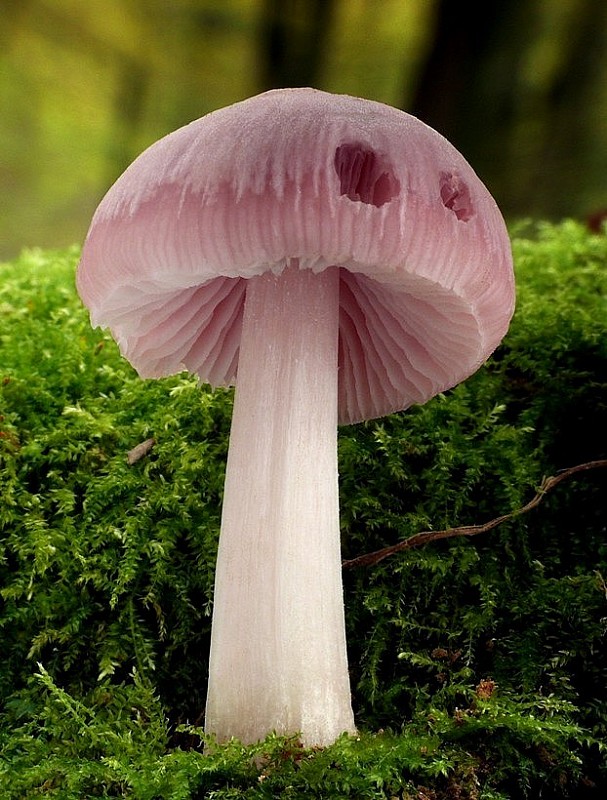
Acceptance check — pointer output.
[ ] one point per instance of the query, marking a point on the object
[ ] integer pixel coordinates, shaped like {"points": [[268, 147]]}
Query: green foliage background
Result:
{"points": [[520, 88], [478, 665]]}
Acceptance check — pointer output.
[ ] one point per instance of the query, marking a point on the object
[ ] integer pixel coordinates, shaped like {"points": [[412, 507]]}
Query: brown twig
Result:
{"points": [[139, 451], [425, 537]]}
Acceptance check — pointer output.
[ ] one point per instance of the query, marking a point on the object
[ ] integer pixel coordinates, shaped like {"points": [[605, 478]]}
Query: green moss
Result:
{"points": [[482, 659]]}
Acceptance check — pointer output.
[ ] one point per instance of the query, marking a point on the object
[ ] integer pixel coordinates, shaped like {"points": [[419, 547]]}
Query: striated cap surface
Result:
{"points": [[304, 179]]}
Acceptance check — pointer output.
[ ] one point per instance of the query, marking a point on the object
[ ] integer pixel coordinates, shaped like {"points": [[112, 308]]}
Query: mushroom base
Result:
{"points": [[278, 651]]}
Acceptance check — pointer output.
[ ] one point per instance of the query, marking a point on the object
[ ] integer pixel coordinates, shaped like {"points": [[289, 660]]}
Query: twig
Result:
{"points": [[139, 451], [425, 537]]}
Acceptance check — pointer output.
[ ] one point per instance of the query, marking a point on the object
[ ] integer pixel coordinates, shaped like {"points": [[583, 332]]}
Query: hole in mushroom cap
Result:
{"points": [[364, 175], [456, 196]]}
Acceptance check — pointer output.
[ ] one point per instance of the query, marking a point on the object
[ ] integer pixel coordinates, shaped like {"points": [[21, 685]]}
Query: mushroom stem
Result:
{"points": [[278, 649]]}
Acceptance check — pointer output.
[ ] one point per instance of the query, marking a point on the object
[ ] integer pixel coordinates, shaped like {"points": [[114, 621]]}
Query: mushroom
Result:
{"points": [[337, 260]]}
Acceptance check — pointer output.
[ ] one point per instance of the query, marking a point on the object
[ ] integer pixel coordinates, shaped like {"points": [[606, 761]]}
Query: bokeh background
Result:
{"points": [[519, 86]]}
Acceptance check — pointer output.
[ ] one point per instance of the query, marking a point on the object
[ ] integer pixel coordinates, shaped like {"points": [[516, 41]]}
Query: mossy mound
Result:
{"points": [[478, 663]]}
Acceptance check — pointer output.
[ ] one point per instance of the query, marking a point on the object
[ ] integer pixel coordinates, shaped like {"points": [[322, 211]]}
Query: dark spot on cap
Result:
{"points": [[456, 196], [364, 175]]}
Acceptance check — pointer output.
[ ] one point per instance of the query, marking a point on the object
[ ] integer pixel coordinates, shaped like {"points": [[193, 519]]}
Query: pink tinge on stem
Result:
{"points": [[278, 650]]}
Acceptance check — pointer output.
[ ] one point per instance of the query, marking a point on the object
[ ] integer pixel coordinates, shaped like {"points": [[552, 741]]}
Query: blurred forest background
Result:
{"points": [[519, 86]]}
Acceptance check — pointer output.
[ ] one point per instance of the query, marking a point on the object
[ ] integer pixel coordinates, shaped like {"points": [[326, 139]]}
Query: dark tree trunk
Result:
{"points": [[468, 89], [527, 134], [573, 147], [294, 35], [129, 105]]}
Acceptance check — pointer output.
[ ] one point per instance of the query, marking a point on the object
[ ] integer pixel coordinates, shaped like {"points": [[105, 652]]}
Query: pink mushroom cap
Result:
{"points": [[309, 180]]}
